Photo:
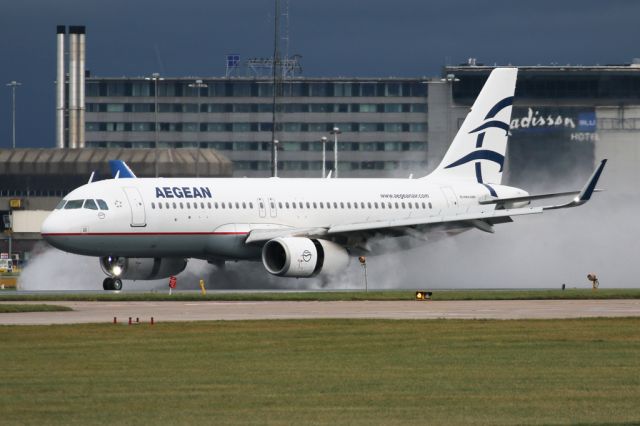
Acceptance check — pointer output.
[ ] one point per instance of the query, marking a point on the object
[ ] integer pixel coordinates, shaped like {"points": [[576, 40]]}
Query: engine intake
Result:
{"points": [[132, 268], [303, 257]]}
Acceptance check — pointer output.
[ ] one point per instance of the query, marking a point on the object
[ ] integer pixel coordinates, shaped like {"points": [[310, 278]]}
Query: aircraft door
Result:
{"points": [[272, 208], [450, 196], [138, 215], [261, 208]]}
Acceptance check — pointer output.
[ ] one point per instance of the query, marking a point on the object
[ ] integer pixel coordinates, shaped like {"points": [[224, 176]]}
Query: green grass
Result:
{"points": [[323, 372], [13, 308], [332, 295]]}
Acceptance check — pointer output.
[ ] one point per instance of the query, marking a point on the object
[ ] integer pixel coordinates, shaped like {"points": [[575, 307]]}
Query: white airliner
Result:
{"points": [[148, 228]]}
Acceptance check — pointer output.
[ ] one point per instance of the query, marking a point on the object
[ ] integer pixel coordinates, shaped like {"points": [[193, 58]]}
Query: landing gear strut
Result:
{"points": [[110, 283]]}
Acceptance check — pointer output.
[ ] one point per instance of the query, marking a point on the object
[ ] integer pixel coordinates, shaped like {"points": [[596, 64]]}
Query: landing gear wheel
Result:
{"points": [[107, 284], [117, 284]]}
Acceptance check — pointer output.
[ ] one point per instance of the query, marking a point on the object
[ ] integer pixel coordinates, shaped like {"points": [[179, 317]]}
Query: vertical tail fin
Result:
{"points": [[477, 152]]}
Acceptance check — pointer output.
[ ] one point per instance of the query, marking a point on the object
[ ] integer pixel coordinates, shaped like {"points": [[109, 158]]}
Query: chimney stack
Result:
{"points": [[60, 83], [81, 85]]}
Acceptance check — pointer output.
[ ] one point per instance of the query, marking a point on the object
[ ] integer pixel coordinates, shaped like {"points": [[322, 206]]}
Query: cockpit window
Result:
{"points": [[90, 204], [61, 204], [103, 205], [74, 204]]}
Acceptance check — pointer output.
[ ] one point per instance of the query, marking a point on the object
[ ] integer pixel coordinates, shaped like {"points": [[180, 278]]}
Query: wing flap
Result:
{"points": [[262, 235]]}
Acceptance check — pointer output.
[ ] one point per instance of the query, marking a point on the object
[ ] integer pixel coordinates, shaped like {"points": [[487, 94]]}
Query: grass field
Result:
{"points": [[329, 295], [323, 372], [13, 308]]}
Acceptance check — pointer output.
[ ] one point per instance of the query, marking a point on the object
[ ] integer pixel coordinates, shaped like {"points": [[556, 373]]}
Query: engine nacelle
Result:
{"points": [[131, 268], [303, 257]]}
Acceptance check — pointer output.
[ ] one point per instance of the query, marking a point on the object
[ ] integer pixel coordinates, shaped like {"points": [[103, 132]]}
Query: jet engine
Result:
{"points": [[303, 257], [131, 268]]}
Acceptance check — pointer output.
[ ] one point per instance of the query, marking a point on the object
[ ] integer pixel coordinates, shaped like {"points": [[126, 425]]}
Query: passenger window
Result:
{"points": [[430, 206], [335, 205], [181, 206], [159, 206], [280, 204], [237, 205], [369, 205], [215, 205], [188, 205], [195, 206], [423, 206], [402, 204], [348, 205], [362, 204], [375, 205], [315, 206], [74, 204], [175, 206], [382, 205], [61, 204], [396, 204], [244, 205], [250, 205], [342, 205], [286, 204], [153, 206], [261, 205], [308, 206], [166, 205], [321, 205], [293, 205], [328, 205], [300, 205], [222, 204], [90, 204]]}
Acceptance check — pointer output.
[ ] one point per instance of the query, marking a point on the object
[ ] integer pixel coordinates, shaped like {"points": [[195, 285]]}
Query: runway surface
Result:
{"points": [[103, 312]]}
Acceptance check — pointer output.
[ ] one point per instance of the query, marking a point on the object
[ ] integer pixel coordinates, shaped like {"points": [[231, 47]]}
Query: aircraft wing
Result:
{"points": [[480, 219]]}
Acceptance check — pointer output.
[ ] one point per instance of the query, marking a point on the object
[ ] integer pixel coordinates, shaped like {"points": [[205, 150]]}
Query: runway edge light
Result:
{"points": [[423, 295]]}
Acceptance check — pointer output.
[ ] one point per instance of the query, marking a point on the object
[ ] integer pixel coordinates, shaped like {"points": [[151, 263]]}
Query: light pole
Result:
{"points": [[449, 80], [324, 154], [155, 77], [13, 86], [335, 132], [198, 84], [275, 157]]}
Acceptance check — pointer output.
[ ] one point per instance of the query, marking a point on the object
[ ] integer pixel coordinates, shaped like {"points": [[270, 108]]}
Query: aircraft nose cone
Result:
{"points": [[50, 228]]}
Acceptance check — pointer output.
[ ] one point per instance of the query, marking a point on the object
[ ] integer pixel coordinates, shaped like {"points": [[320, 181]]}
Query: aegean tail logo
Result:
{"points": [[486, 154]]}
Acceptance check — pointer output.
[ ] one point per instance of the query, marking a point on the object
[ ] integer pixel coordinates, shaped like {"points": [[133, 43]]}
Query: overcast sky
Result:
{"points": [[371, 38]]}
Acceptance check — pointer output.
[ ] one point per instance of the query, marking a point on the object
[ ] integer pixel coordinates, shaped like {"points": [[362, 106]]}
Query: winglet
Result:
{"points": [[120, 169], [589, 188], [586, 192]]}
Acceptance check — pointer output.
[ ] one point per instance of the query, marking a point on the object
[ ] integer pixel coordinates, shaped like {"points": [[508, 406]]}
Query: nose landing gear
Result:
{"points": [[111, 283]]}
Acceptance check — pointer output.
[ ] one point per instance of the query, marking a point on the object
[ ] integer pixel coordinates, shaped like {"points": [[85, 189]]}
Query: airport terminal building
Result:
{"points": [[382, 122]]}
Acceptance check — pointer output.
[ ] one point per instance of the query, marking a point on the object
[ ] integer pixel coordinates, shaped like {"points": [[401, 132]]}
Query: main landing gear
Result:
{"points": [[110, 283]]}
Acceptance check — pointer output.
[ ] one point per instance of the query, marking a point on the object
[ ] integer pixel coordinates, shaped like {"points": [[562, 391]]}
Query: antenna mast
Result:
{"points": [[277, 87]]}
